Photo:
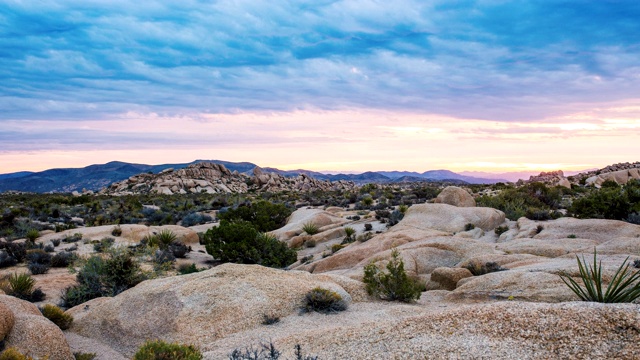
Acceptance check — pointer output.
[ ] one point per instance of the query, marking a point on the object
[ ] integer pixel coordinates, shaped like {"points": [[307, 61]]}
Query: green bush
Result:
{"points": [[264, 216], [104, 244], [84, 356], [117, 231], [160, 350], [624, 287], [13, 354], [57, 316], [394, 284], [617, 203], [104, 277], [63, 259], [501, 230], [32, 235], [239, 242], [324, 301], [185, 269]]}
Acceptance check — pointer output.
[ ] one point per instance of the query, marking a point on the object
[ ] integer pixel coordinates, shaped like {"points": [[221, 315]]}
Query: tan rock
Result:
{"points": [[38, 337], [201, 307], [599, 230], [19, 307], [455, 196], [6, 321], [324, 220], [447, 278], [547, 248], [449, 218]]}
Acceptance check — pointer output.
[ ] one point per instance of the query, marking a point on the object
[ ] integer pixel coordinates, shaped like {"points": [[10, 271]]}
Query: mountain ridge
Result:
{"points": [[98, 176]]}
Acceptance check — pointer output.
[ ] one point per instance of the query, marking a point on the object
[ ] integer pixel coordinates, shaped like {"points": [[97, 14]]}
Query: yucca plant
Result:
{"points": [[623, 288], [310, 228]]}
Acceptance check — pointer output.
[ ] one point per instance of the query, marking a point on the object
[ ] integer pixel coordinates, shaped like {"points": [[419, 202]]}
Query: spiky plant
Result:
{"points": [[623, 288], [310, 228]]}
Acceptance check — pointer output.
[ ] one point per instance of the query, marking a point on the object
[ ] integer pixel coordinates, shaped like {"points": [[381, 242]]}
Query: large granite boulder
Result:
{"points": [[455, 196]]}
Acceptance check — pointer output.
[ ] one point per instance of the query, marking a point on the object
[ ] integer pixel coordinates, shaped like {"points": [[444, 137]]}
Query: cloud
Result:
{"points": [[515, 60]]}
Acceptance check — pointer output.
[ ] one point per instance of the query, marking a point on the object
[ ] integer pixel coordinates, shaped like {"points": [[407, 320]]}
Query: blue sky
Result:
{"points": [[121, 78]]}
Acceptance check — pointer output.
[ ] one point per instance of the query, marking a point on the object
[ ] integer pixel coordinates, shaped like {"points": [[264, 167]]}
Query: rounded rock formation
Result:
{"points": [[455, 196]]}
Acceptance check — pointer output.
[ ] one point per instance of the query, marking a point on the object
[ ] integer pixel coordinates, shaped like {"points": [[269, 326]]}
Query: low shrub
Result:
{"points": [[84, 356], [270, 319], [195, 219], [6, 260], [539, 229], [486, 268], [365, 237], [62, 259], [16, 250], [56, 242], [336, 247], [32, 235], [49, 248], [160, 350], [469, 227], [13, 354], [72, 238], [368, 227], [310, 228], [57, 316], [394, 284], [38, 256], [38, 269], [306, 259], [163, 256], [117, 231], [263, 215], [104, 244], [324, 301], [310, 243], [179, 249], [266, 352], [571, 236], [501, 230], [185, 269]]}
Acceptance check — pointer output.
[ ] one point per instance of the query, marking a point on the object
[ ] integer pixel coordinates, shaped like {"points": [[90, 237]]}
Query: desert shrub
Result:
{"points": [[394, 284], [38, 256], [16, 250], [633, 218], [195, 219], [270, 319], [56, 242], [571, 236], [336, 247], [395, 217], [72, 238], [185, 269], [539, 229], [117, 231], [624, 287], [501, 230], [179, 249], [32, 235], [162, 239], [609, 202], [163, 256], [104, 244], [324, 301], [57, 316], [311, 243], [636, 264], [266, 352], [264, 215], [160, 350], [84, 356], [104, 277], [481, 269], [49, 248], [38, 269], [239, 242], [310, 228], [349, 231], [62, 259], [306, 259], [21, 286], [6, 260], [13, 354], [469, 227]]}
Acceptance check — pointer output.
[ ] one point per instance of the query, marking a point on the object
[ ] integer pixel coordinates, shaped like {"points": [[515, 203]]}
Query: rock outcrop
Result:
{"points": [[455, 196], [31, 333], [216, 178], [619, 173], [202, 307]]}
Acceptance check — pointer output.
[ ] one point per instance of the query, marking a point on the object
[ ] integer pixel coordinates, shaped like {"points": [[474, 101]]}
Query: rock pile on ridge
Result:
{"points": [[216, 178]]}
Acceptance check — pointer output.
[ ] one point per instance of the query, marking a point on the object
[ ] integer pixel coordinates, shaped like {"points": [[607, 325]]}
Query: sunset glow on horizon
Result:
{"points": [[339, 86]]}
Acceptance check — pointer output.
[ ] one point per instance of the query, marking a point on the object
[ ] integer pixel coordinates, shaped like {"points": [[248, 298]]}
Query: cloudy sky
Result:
{"points": [[486, 85]]}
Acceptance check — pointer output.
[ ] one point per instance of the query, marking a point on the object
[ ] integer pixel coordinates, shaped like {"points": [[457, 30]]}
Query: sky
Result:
{"points": [[486, 85]]}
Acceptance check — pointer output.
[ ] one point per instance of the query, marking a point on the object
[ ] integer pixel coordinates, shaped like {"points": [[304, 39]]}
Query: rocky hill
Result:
{"points": [[216, 178], [619, 173]]}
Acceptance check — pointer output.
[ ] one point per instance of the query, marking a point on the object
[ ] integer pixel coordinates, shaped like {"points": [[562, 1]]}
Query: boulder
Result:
{"points": [[322, 219], [6, 321], [199, 308], [447, 278], [32, 333], [455, 196], [599, 230], [449, 218], [547, 248]]}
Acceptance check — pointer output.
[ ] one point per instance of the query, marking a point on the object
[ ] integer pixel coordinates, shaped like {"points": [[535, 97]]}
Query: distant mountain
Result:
{"points": [[15, 175], [96, 177], [92, 177]]}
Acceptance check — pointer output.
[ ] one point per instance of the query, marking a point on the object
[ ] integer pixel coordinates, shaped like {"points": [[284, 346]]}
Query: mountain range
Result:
{"points": [[96, 177]]}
